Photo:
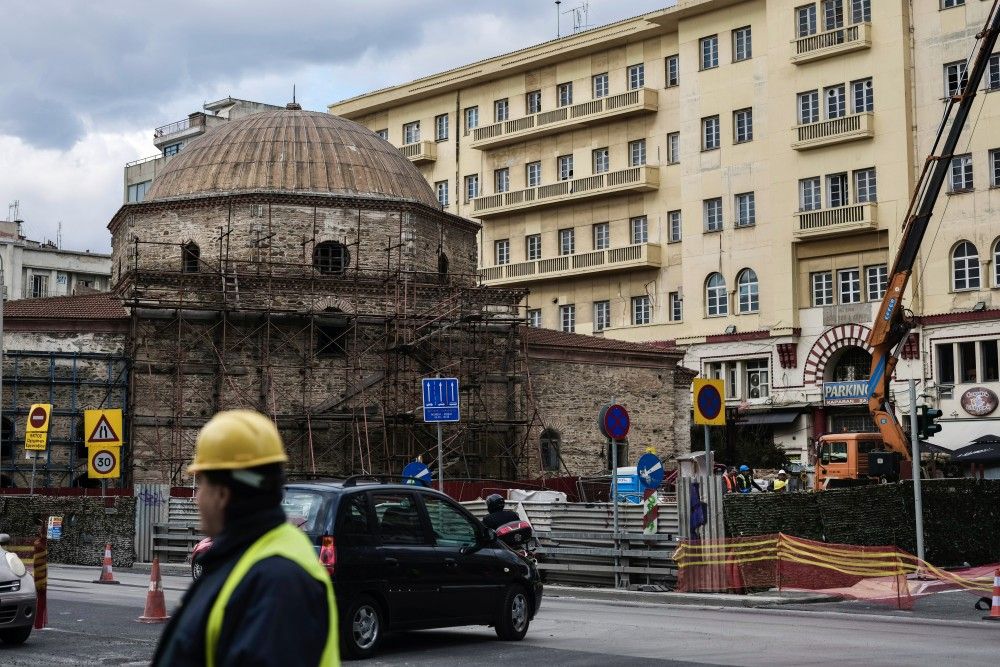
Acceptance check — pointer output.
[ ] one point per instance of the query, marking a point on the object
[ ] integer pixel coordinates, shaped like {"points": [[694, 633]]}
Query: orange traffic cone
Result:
{"points": [[156, 607], [107, 576], [995, 609]]}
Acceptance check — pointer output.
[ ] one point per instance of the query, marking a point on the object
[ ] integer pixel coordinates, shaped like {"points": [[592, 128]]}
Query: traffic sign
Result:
{"points": [[103, 427], [650, 471], [441, 402], [417, 473], [54, 529], [709, 406], [614, 422], [38, 418], [103, 462]]}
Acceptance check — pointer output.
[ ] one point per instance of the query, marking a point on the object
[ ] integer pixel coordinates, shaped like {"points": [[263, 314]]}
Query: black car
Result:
{"points": [[407, 557]]}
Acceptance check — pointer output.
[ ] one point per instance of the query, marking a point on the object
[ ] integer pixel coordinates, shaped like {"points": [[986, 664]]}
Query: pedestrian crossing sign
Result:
{"points": [[103, 427]]}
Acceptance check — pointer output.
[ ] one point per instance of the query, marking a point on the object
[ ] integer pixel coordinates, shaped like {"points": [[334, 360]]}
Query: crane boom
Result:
{"points": [[892, 326]]}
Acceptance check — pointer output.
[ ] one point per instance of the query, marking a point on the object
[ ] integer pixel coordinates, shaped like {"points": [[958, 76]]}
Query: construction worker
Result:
{"points": [[745, 483], [263, 597], [781, 484], [729, 480]]}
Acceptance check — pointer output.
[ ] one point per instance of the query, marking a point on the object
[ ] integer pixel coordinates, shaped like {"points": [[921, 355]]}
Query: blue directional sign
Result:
{"points": [[417, 473], [650, 471], [440, 399]]}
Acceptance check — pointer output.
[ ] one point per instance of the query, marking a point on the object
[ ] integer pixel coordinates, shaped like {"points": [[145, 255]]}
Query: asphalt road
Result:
{"points": [[95, 625]]}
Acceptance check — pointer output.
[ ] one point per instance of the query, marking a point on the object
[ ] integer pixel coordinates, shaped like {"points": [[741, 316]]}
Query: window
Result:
{"points": [[836, 190], [965, 267], [172, 149], [748, 290], [993, 72], [716, 301], [757, 380], [990, 360], [833, 14], [996, 264], [190, 257], [674, 224], [600, 159], [636, 76], [948, 4], [567, 241], [501, 110], [676, 307], [961, 173], [674, 148], [642, 310], [533, 101], [502, 251], [967, 362], [567, 318], [331, 257], [533, 247], [673, 71], [809, 107], [743, 125], [411, 132], [728, 371], [533, 174], [471, 187], [742, 49], [602, 315], [550, 442], [945, 363], [398, 518], [452, 528], [441, 190], [137, 191], [864, 186], [709, 47], [382, 134], [602, 236], [955, 78], [600, 85], [822, 288], [535, 318], [864, 95], [710, 133], [713, 214], [640, 230], [850, 285], [441, 127], [836, 102], [565, 167], [833, 452], [471, 119], [805, 20], [861, 11], [565, 94], [501, 180], [746, 210], [809, 194], [637, 153], [355, 527], [877, 278], [995, 167]]}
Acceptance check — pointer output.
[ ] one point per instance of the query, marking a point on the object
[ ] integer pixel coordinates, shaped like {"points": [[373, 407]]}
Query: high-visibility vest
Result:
{"points": [[729, 483], [288, 542]]}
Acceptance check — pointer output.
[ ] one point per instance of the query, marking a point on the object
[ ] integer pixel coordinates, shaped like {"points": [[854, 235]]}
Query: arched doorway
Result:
{"points": [[848, 369]]}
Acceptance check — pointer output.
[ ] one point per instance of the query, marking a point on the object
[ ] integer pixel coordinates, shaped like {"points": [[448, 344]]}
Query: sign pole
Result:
{"points": [[614, 503], [918, 506], [34, 457], [440, 458], [708, 453]]}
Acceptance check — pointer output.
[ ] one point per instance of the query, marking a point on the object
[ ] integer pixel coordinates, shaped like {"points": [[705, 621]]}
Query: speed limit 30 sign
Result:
{"points": [[104, 462]]}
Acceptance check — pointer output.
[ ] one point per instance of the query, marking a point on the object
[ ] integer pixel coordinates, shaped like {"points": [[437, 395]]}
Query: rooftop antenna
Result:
{"points": [[59, 235], [293, 105], [558, 27], [14, 211], [581, 17]]}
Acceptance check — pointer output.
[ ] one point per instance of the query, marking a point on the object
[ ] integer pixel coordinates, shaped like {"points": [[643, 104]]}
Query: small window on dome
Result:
{"points": [[331, 257], [190, 256]]}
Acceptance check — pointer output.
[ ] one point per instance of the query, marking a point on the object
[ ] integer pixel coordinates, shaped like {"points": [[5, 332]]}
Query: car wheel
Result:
{"points": [[362, 628], [515, 614], [18, 636], [196, 570]]}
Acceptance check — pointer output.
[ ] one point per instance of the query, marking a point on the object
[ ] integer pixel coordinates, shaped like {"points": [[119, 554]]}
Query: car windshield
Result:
{"points": [[302, 508]]}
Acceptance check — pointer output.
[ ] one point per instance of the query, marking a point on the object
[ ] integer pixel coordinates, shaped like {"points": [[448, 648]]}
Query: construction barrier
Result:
{"points": [[35, 557]]}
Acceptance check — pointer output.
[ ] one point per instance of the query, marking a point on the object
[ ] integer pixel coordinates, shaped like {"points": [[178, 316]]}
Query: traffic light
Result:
{"points": [[925, 421]]}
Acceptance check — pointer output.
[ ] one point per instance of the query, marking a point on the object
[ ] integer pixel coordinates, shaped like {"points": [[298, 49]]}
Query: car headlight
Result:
{"points": [[15, 564]]}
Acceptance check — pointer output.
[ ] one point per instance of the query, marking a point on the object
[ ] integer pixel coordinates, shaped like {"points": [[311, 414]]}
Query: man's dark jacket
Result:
{"points": [[496, 519]]}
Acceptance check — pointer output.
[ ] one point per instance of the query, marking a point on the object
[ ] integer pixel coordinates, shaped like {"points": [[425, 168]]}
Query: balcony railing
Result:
{"points": [[558, 120], [831, 43], [172, 128], [840, 220], [421, 151], [635, 179], [641, 256], [836, 131]]}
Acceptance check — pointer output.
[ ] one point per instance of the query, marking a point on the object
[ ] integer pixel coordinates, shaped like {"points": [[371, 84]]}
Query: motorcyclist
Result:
{"points": [[498, 516]]}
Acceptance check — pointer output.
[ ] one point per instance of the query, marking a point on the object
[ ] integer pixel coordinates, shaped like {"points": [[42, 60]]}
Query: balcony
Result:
{"points": [[642, 256], [836, 131], [832, 43], [635, 179], [642, 100], [420, 152], [835, 221]]}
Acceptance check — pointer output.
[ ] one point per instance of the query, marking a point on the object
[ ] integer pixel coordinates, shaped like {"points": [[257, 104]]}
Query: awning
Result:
{"points": [[768, 418], [985, 448]]}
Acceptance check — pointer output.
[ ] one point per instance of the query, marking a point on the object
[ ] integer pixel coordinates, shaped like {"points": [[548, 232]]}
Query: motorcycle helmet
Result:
{"points": [[494, 503]]}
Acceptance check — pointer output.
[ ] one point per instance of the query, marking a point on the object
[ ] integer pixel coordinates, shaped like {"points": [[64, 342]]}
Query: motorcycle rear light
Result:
{"points": [[328, 553]]}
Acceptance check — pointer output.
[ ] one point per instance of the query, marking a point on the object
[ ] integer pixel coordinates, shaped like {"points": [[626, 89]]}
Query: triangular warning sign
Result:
{"points": [[103, 432]]}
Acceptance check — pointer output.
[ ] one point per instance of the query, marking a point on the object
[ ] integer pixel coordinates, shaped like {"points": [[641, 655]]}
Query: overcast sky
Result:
{"points": [[85, 83]]}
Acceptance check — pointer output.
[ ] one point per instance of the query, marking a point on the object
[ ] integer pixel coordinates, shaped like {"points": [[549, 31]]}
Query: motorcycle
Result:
{"points": [[519, 536]]}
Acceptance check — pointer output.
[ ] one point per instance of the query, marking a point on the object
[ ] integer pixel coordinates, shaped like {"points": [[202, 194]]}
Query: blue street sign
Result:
{"points": [[650, 471], [417, 473], [614, 422], [440, 399]]}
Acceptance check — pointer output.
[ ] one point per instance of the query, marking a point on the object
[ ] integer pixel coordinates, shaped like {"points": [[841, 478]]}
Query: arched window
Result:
{"points": [[6, 438], [331, 257], [965, 267], [442, 266], [749, 291], [715, 296], [190, 256], [551, 444], [996, 263]]}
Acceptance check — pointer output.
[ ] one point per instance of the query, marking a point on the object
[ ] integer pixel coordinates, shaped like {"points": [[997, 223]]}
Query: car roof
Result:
{"points": [[337, 486]]}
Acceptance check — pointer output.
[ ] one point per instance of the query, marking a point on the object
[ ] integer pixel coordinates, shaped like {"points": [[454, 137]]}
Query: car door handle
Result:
{"points": [[392, 562], [450, 562]]}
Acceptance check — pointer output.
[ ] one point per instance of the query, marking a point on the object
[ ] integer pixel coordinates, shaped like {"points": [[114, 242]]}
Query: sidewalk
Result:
{"points": [[766, 599]]}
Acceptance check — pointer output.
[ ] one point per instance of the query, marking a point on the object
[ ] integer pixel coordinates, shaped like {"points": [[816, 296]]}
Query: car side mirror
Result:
{"points": [[4, 539]]}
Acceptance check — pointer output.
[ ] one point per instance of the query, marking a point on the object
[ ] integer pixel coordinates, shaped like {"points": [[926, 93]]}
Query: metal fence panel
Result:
{"points": [[151, 503]]}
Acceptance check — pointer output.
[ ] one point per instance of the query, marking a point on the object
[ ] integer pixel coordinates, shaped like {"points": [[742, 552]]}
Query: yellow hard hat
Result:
{"points": [[237, 439]]}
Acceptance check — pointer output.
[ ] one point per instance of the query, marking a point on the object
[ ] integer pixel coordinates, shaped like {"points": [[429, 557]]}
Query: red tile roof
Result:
{"points": [[98, 306], [538, 336]]}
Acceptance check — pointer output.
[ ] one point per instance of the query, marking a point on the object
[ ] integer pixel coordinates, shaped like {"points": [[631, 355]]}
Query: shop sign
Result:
{"points": [[845, 393], [979, 401]]}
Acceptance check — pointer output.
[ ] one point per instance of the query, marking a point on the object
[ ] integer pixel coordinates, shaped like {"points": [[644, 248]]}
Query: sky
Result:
{"points": [[85, 83]]}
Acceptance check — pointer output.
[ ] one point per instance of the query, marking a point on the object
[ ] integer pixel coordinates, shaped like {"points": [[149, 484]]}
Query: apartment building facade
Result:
{"points": [[730, 177], [37, 269]]}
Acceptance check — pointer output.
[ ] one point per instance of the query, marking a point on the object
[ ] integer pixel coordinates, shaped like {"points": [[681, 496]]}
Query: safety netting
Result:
{"points": [[881, 574]]}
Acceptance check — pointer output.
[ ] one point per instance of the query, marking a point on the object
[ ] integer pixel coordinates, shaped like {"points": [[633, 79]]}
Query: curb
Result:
{"points": [[702, 599]]}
